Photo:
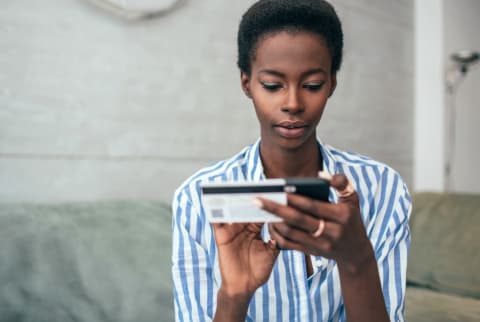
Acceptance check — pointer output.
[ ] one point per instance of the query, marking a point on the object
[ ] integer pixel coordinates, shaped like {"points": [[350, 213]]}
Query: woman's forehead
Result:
{"points": [[285, 50]]}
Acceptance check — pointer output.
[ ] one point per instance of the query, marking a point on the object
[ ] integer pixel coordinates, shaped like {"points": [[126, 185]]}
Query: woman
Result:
{"points": [[337, 261]]}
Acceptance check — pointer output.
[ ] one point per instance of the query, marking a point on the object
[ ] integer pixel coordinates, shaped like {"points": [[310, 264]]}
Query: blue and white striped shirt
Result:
{"points": [[289, 295]]}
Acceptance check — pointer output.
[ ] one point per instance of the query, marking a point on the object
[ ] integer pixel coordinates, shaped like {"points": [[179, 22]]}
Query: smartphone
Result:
{"points": [[233, 201], [314, 188]]}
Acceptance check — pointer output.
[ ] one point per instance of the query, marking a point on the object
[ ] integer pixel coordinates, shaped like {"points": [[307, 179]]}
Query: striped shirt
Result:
{"points": [[289, 295]]}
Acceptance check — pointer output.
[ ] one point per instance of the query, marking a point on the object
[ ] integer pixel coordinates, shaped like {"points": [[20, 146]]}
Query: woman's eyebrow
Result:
{"points": [[314, 71], [306, 73], [272, 72]]}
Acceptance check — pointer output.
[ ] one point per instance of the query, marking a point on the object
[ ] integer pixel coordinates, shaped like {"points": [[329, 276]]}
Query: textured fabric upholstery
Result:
{"points": [[445, 251], [443, 280], [110, 261], [102, 261], [425, 305]]}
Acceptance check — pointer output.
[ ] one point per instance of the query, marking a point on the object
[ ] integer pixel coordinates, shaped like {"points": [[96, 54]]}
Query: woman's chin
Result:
{"points": [[290, 144]]}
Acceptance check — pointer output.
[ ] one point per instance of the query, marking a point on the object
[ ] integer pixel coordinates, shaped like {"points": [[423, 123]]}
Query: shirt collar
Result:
{"points": [[329, 166], [254, 163], [255, 170], [329, 163]]}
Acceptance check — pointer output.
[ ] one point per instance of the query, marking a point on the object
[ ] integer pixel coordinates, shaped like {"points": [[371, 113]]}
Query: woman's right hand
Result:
{"points": [[246, 263], [245, 260]]}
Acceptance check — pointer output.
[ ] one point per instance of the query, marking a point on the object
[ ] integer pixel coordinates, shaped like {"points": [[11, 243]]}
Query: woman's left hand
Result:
{"points": [[320, 228]]}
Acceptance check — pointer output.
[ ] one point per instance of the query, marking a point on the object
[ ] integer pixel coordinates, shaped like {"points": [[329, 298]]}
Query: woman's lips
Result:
{"points": [[291, 130]]}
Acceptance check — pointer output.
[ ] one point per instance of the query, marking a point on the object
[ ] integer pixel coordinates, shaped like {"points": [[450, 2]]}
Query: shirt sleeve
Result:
{"points": [[393, 208], [191, 266]]}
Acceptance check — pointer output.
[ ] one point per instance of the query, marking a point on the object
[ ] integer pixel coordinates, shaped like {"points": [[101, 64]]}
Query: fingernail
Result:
{"points": [[257, 202], [324, 175], [348, 191]]}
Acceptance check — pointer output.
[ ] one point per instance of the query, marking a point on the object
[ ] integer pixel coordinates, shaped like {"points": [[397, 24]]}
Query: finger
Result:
{"points": [[221, 233], [330, 231], [317, 209], [283, 242], [290, 215], [225, 226], [272, 245], [343, 186], [299, 240], [291, 233], [345, 189], [255, 228], [226, 232], [217, 227]]}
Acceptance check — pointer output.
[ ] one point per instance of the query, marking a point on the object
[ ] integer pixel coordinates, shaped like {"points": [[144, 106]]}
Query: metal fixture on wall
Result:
{"points": [[138, 9], [463, 62]]}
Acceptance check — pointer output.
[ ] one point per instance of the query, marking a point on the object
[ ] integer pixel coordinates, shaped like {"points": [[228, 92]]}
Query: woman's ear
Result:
{"points": [[333, 84], [245, 81]]}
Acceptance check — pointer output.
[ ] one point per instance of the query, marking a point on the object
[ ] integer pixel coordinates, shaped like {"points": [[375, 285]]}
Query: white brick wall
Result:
{"points": [[93, 107]]}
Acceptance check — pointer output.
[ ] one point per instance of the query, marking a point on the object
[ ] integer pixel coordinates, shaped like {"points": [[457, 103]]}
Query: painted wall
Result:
{"points": [[462, 31], [442, 28], [92, 107], [429, 114]]}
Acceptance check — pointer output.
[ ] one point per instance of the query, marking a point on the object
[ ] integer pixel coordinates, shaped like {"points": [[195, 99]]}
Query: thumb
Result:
{"points": [[273, 247], [341, 184]]}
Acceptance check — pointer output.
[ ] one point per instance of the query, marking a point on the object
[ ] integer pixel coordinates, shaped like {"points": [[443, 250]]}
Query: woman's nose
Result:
{"points": [[292, 103]]}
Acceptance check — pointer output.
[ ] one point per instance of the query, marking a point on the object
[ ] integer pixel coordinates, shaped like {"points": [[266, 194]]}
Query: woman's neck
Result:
{"points": [[305, 161]]}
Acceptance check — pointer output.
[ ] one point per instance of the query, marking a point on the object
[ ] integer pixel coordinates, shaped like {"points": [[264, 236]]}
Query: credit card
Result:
{"points": [[232, 202]]}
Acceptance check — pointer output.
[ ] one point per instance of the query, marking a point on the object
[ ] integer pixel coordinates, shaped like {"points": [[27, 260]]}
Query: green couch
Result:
{"points": [[443, 276], [86, 262], [110, 261]]}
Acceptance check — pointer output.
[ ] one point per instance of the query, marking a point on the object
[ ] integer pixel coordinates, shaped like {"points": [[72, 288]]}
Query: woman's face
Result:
{"points": [[289, 83]]}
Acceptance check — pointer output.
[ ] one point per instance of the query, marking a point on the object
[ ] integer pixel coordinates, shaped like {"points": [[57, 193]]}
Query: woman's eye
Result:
{"points": [[271, 87], [313, 87]]}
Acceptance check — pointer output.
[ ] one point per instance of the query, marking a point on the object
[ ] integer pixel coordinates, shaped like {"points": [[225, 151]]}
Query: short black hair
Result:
{"points": [[271, 16]]}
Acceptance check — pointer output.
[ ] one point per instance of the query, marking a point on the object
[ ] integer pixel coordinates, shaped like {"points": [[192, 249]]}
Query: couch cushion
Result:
{"points": [[102, 261], [422, 305], [444, 253]]}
